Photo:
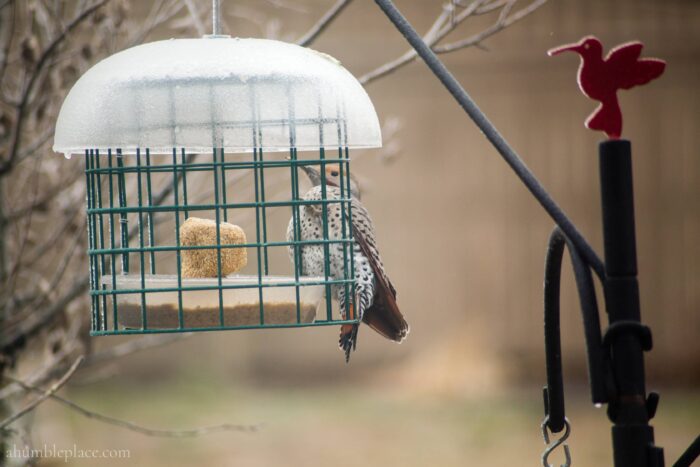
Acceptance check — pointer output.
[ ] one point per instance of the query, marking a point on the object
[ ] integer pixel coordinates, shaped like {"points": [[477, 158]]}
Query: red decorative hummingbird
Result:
{"points": [[600, 78]]}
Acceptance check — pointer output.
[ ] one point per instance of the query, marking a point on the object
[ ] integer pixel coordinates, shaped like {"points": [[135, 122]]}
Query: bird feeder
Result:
{"points": [[192, 152]]}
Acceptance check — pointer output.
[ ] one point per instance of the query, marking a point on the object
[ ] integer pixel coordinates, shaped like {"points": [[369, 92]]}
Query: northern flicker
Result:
{"points": [[375, 296]]}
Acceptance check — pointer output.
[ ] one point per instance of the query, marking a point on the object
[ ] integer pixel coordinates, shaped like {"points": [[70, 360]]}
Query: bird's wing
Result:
{"points": [[628, 69], [384, 315], [628, 52]]}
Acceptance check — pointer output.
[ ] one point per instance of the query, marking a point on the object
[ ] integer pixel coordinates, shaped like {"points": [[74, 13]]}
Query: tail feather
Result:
{"points": [[348, 339]]}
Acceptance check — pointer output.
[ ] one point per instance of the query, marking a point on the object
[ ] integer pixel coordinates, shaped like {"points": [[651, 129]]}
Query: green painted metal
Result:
{"points": [[134, 229]]}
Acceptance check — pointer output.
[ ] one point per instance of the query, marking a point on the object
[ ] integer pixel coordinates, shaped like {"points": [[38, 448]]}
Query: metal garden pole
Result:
{"points": [[626, 338]]}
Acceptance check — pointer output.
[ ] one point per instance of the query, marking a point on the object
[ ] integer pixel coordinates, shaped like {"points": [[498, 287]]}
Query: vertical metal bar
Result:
{"points": [[258, 143], [256, 180], [102, 240], [149, 196], [123, 217], [351, 234], [344, 190], [298, 265], [294, 165], [178, 257], [94, 321], [326, 247], [93, 222], [223, 184], [142, 259], [264, 208], [183, 172], [112, 242], [218, 235], [324, 216]]}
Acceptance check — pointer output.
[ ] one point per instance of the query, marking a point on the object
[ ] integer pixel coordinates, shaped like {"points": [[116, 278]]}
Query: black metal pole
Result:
{"points": [[628, 409]]}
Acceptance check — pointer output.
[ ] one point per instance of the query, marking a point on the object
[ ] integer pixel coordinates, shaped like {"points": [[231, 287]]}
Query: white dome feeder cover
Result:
{"points": [[238, 94]]}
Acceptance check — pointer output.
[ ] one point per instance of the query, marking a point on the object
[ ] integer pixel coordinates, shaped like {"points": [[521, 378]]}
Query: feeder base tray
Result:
{"points": [[200, 308], [167, 316]]}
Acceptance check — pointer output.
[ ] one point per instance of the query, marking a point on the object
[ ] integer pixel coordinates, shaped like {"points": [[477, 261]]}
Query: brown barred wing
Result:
{"points": [[384, 315]]}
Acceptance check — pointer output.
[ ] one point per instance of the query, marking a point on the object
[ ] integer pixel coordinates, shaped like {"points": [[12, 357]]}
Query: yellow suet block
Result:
{"points": [[204, 262]]}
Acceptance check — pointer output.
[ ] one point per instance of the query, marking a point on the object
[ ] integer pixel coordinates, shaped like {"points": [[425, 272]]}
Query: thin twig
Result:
{"points": [[503, 22], [133, 346], [433, 35], [45, 395], [196, 19], [288, 6], [48, 196], [188, 433], [323, 23], [37, 144]]}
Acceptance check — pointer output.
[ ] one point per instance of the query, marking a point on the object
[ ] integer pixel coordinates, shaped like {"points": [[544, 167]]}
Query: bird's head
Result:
{"points": [[332, 178], [588, 46]]}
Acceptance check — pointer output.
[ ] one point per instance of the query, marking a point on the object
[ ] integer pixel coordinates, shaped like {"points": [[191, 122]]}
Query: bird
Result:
{"points": [[600, 79], [375, 296]]}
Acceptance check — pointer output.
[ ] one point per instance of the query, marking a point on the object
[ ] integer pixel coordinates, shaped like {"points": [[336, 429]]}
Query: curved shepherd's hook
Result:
{"points": [[597, 366]]}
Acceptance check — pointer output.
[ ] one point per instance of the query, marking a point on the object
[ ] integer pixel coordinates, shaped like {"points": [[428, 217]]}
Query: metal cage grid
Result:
{"points": [[115, 224]]}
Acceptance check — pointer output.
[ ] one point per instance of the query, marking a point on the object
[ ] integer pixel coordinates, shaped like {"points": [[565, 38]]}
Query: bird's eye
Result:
{"points": [[334, 173]]}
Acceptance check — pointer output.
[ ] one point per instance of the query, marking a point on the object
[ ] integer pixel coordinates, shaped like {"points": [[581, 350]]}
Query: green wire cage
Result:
{"points": [[193, 150]]}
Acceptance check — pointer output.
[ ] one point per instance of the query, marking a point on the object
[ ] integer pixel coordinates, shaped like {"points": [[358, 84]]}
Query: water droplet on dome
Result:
{"points": [[67, 155], [597, 405]]}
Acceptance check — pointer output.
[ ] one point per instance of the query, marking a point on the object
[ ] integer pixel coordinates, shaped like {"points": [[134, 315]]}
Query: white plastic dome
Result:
{"points": [[216, 92]]}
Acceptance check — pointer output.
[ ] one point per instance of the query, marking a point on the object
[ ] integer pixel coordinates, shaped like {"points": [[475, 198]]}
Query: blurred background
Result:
{"points": [[461, 238]]}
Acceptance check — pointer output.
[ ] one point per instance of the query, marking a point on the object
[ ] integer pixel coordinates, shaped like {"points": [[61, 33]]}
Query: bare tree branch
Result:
{"points": [[442, 27], [503, 22], [17, 329], [7, 164], [187, 433], [323, 23], [45, 395], [52, 367]]}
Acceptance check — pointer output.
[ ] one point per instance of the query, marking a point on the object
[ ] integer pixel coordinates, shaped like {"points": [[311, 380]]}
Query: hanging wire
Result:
{"points": [[216, 17]]}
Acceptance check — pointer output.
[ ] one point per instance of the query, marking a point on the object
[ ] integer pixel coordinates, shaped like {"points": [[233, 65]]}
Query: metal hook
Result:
{"points": [[552, 446]]}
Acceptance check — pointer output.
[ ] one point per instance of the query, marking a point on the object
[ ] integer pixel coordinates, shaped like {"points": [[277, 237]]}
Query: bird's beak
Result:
{"points": [[313, 175], [564, 48]]}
